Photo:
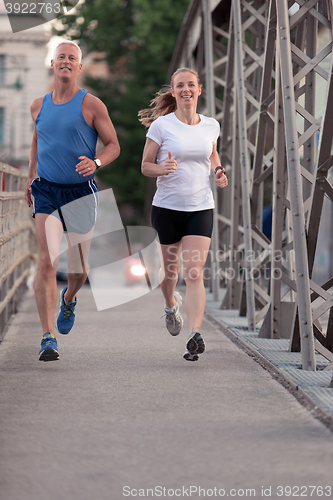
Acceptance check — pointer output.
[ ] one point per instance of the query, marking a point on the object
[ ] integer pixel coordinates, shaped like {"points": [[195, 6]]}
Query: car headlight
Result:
{"points": [[138, 270]]}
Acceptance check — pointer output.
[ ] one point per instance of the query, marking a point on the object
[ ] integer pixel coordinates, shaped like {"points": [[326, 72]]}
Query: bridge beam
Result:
{"points": [[280, 104]]}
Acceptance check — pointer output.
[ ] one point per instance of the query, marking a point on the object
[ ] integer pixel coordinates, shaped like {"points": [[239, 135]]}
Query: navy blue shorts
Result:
{"points": [[172, 225], [75, 205]]}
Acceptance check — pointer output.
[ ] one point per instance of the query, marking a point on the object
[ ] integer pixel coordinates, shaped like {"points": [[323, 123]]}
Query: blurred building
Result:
{"points": [[23, 77]]}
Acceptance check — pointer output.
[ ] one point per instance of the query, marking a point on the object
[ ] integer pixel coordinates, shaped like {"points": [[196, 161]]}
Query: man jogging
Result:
{"points": [[67, 123]]}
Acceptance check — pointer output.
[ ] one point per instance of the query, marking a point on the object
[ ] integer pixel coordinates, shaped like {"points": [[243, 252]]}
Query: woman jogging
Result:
{"points": [[180, 151]]}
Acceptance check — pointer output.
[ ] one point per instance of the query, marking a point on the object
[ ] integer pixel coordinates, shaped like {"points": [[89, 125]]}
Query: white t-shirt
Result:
{"points": [[188, 188]]}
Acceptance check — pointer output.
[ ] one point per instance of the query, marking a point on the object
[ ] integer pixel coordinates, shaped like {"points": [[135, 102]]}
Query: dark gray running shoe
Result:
{"points": [[195, 345], [173, 320], [190, 357]]}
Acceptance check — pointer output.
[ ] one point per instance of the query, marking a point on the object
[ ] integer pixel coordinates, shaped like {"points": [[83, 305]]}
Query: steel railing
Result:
{"points": [[17, 241]]}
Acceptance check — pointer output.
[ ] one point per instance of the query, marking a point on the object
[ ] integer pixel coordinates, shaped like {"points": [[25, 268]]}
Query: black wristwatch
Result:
{"points": [[98, 163], [218, 168]]}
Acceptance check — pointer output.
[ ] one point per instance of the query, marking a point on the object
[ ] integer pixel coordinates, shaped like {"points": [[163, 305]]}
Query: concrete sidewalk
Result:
{"points": [[121, 414], [310, 387]]}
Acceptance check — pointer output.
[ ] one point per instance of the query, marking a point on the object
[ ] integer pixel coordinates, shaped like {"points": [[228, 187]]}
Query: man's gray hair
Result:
{"points": [[68, 42]]}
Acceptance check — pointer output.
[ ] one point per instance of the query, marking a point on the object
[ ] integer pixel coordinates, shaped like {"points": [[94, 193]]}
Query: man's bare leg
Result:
{"points": [[45, 285], [77, 262]]}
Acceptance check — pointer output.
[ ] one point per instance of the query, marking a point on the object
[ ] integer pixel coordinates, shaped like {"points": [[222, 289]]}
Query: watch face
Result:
{"points": [[98, 162]]}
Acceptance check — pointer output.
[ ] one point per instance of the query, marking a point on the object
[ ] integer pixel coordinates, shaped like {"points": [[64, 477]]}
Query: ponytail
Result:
{"points": [[164, 103]]}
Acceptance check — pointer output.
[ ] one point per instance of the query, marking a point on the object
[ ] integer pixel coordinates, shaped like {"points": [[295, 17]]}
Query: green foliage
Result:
{"points": [[137, 38]]}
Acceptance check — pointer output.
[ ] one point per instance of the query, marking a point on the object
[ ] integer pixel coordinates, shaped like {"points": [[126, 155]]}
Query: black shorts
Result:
{"points": [[172, 225]]}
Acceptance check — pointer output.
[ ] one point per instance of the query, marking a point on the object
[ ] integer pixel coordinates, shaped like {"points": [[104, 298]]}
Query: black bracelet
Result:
{"points": [[218, 168]]}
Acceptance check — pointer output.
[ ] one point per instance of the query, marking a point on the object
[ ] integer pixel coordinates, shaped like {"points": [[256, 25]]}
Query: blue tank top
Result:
{"points": [[62, 136]]}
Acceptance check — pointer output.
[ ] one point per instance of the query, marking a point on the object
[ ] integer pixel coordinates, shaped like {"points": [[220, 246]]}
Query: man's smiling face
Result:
{"points": [[66, 63]]}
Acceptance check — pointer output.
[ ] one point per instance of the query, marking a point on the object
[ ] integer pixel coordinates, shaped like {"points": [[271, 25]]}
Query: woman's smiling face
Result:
{"points": [[185, 89]]}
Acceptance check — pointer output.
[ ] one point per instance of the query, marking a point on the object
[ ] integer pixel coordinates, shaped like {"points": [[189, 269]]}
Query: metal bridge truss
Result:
{"points": [[266, 66]]}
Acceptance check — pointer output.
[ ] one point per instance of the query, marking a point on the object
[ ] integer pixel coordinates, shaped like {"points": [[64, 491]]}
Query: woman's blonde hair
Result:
{"points": [[164, 103]]}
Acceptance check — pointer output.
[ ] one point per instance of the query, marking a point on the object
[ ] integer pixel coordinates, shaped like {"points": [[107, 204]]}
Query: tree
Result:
{"points": [[137, 39]]}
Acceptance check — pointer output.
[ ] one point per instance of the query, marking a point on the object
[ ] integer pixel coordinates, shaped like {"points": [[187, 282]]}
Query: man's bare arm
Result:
{"points": [[96, 115], [32, 174]]}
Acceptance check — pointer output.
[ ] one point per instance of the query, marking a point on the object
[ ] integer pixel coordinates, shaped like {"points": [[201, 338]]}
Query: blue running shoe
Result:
{"points": [[66, 316], [49, 348]]}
